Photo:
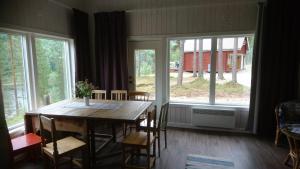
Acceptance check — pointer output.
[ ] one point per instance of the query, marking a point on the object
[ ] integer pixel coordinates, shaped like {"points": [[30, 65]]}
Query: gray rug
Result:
{"points": [[194, 161]]}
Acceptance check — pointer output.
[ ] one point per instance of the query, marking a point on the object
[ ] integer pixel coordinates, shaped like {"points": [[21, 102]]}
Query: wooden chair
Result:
{"points": [[118, 95], [138, 141], [294, 153], [161, 124], [99, 94], [57, 149], [286, 113], [139, 96]]}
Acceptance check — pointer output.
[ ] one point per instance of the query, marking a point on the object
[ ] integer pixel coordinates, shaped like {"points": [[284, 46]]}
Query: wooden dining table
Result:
{"points": [[74, 116]]}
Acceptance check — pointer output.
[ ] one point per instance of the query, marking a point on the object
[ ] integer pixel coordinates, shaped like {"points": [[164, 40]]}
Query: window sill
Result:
{"points": [[17, 131]]}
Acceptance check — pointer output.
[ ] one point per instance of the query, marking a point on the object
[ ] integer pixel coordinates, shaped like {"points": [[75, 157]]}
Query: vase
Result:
{"points": [[86, 101]]}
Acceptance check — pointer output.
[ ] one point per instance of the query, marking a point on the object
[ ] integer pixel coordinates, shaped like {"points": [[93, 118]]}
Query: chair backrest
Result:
{"points": [[139, 96], [99, 94], [118, 95], [287, 113], [150, 116], [48, 124], [163, 116]]}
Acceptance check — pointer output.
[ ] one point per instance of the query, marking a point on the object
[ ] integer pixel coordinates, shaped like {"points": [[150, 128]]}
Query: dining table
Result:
{"points": [[73, 115]]}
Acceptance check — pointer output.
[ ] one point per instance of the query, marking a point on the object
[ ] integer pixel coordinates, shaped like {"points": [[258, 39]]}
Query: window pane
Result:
{"points": [[12, 74], [233, 78], [145, 71], [189, 70], [51, 70]]}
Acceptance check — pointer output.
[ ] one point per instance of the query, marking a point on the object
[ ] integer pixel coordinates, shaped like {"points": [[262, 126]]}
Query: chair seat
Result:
{"points": [[25, 142], [137, 139], [64, 145]]}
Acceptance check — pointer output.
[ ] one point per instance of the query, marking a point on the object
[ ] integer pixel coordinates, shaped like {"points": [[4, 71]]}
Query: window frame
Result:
{"points": [[212, 80], [30, 66]]}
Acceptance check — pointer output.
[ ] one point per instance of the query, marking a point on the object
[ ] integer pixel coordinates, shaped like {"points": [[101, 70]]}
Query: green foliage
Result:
{"points": [[51, 72], [84, 89], [174, 50], [144, 62], [12, 77]]}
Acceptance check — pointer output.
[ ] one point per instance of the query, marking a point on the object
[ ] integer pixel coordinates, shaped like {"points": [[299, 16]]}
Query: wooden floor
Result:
{"points": [[247, 152]]}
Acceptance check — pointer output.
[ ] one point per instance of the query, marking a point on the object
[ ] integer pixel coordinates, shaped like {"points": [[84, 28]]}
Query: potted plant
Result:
{"points": [[84, 90]]}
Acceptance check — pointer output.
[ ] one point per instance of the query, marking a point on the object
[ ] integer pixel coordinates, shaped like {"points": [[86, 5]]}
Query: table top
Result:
{"points": [[99, 109]]}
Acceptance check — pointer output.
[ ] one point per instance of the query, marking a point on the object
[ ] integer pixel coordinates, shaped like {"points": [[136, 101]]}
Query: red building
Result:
{"points": [[227, 61]]}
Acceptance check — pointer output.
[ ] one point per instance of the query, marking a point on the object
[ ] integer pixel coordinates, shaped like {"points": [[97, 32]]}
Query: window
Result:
{"points": [[26, 86], [12, 73], [145, 71], [191, 75], [51, 59]]}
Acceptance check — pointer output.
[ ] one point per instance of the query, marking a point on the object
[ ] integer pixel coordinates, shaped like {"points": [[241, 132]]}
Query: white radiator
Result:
{"points": [[213, 117]]}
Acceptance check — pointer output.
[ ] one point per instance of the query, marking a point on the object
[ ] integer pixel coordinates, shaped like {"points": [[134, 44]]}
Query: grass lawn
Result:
{"points": [[15, 119], [194, 87]]}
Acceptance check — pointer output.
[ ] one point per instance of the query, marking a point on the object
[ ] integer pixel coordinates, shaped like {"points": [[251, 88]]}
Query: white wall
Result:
{"points": [[182, 17]]}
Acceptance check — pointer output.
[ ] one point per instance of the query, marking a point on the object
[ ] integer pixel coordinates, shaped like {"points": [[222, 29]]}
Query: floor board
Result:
{"points": [[246, 151]]}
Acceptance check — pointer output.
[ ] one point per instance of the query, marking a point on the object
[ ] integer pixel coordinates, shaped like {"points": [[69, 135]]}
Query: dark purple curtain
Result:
{"points": [[279, 62], [5, 144], [111, 51], [82, 47]]}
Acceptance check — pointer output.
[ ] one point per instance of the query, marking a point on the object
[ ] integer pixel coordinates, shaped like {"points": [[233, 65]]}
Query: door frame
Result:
{"points": [[159, 64]]}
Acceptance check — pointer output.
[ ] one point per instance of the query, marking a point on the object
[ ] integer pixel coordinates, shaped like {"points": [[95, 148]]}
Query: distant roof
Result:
{"points": [[227, 44]]}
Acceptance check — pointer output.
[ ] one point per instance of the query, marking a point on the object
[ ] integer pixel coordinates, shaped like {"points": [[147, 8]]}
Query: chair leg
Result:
{"points": [[148, 157], [158, 142], [287, 159], [123, 157], [296, 164], [165, 138], [278, 133], [71, 162]]}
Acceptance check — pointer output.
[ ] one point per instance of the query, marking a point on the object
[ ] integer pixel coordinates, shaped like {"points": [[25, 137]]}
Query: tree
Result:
{"points": [[234, 61], [181, 63], [220, 59], [200, 71], [195, 59], [13, 72]]}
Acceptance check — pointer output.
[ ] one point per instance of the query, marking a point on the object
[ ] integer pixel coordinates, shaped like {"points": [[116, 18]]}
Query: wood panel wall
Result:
{"points": [[207, 19]]}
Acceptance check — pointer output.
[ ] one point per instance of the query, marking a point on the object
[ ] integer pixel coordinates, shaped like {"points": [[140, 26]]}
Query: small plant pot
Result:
{"points": [[86, 101]]}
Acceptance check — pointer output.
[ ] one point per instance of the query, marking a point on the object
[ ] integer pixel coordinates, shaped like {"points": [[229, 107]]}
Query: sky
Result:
{"points": [[227, 44]]}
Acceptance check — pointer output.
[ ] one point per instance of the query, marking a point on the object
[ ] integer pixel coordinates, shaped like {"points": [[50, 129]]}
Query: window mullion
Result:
{"points": [[212, 85], [34, 70]]}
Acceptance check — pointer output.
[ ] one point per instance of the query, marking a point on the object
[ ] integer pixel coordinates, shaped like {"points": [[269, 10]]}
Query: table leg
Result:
{"points": [[92, 142]]}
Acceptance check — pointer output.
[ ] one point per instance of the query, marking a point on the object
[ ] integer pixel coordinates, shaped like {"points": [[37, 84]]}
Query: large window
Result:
{"points": [[12, 73], [193, 78], [26, 85], [51, 59]]}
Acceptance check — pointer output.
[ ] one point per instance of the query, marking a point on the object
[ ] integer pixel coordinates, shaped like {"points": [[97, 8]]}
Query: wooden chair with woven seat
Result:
{"points": [[118, 95], [158, 126], [57, 149], [286, 113], [137, 141], [99, 94], [294, 144], [138, 96]]}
